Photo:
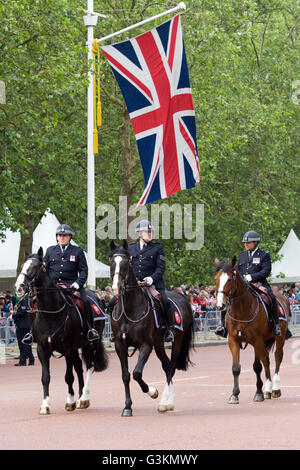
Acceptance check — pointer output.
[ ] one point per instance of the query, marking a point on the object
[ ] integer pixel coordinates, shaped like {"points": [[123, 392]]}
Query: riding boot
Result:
{"points": [[92, 334], [275, 317], [169, 334], [221, 329]]}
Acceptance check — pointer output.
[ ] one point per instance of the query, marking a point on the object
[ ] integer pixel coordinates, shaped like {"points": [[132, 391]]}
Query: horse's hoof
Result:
{"points": [[70, 406], [258, 397], [44, 410], [276, 393], [155, 394], [267, 395], [162, 408], [127, 412], [82, 404], [233, 400], [171, 407]]}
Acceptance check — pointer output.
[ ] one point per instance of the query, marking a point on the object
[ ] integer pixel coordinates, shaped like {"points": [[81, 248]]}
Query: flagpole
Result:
{"points": [[90, 21], [180, 6]]}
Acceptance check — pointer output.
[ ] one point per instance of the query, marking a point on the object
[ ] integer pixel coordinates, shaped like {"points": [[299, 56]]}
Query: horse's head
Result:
{"points": [[225, 277], [119, 261], [30, 271]]}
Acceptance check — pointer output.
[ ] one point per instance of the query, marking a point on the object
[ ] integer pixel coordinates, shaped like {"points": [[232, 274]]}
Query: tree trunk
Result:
{"points": [[26, 241]]}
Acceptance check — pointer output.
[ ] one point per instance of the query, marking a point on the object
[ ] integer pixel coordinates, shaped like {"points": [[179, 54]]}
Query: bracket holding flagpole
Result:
{"points": [[180, 6]]}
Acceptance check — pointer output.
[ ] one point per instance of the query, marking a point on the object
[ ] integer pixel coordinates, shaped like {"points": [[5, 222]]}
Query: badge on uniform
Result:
{"points": [[256, 260], [72, 258]]}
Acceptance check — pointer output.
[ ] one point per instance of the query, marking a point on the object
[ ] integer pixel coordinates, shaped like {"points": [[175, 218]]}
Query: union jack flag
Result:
{"points": [[151, 70]]}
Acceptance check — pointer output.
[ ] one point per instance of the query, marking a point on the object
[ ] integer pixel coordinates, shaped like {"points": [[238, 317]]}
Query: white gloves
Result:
{"points": [[148, 280], [248, 277], [75, 285]]}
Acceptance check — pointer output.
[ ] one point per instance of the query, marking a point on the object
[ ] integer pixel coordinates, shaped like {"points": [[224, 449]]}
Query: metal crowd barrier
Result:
{"points": [[205, 326]]}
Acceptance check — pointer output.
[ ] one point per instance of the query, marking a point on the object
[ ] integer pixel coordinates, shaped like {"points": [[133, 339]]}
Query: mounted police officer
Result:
{"points": [[255, 266], [149, 263], [67, 264]]}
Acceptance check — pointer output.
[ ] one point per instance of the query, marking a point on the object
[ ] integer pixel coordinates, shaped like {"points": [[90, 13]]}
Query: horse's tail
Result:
{"points": [[94, 355], [183, 360], [100, 358]]}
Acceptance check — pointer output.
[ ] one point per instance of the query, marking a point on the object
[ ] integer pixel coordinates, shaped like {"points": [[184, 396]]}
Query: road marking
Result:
{"points": [[182, 380]]}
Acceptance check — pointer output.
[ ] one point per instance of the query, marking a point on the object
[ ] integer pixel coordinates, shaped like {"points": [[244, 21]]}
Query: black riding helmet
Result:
{"points": [[251, 236], [64, 229]]}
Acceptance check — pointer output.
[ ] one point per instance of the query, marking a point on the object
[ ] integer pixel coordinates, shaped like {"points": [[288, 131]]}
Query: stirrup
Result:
{"points": [[28, 339], [92, 335], [277, 330], [221, 331], [169, 335]]}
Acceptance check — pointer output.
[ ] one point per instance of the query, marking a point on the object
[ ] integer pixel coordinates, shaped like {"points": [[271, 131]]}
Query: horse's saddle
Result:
{"points": [[75, 296], [263, 292], [154, 293], [151, 291]]}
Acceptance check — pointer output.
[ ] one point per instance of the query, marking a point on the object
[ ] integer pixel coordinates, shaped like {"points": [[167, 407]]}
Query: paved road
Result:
{"points": [[202, 419]]}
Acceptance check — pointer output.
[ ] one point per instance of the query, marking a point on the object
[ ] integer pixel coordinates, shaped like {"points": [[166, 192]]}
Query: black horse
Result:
{"points": [[133, 324], [58, 325]]}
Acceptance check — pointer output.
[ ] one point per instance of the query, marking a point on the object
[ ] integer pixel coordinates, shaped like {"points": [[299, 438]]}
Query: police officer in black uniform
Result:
{"points": [[67, 264], [21, 320], [149, 263], [255, 266]]}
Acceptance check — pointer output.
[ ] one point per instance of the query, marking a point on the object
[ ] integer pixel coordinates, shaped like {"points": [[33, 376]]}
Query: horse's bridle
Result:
{"points": [[232, 299], [125, 287], [33, 291]]}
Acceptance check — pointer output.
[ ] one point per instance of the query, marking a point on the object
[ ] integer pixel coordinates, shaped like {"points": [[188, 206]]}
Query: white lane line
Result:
{"points": [[182, 380]]}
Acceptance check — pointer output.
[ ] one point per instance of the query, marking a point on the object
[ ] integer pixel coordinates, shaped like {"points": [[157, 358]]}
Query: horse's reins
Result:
{"points": [[33, 290], [232, 299], [126, 288]]}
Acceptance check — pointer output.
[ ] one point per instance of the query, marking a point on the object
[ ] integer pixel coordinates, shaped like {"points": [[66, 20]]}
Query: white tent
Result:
{"points": [[44, 236], [289, 264]]}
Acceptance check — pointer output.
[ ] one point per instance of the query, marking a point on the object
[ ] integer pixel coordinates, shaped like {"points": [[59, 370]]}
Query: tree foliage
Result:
{"points": [[243, 58]]}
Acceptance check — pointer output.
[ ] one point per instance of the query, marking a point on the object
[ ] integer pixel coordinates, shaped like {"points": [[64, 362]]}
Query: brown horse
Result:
{"points": [[247, 322]]}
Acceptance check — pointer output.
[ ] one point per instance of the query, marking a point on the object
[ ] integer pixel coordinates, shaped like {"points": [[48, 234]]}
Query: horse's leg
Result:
{"points": [[236, 369], [122, 354], [45, 362], [168, 393], [137, 374], [79, 371], [69, 379], [257, 367], [265, 359], [280, 340], [84, 398], [168, 396]]}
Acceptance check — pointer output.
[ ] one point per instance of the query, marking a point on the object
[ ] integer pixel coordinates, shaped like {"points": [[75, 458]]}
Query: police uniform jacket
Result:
{"points": [[20, 317], [258, 265], [68, 266], [150, 261]]}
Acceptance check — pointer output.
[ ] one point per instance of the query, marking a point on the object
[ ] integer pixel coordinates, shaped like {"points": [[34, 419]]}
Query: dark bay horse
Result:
{"points": [[247, 322], [133, 324], [58, 326]]}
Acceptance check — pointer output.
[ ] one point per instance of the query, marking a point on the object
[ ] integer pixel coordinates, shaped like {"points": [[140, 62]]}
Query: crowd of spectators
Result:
{"points": [[8, 302], [203, 298]]}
